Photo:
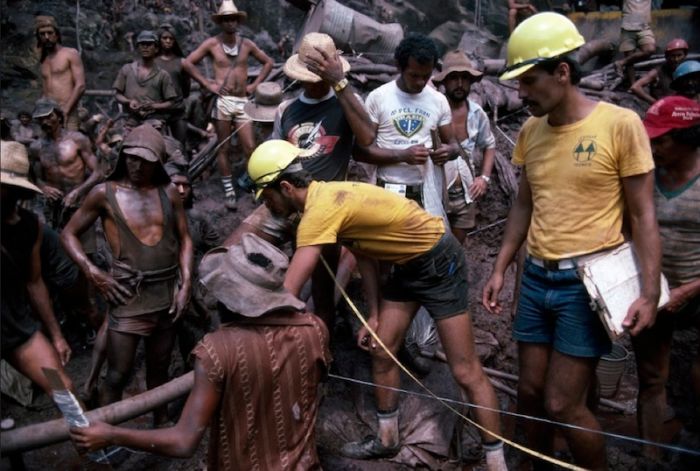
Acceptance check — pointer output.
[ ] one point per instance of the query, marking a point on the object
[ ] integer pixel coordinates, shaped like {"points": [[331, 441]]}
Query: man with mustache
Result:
{"points": [[585, 164], [472, 130], [62, 71]]}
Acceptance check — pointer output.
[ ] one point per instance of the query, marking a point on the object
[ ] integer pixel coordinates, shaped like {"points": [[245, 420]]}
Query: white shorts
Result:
{"points": [[230, 108]]}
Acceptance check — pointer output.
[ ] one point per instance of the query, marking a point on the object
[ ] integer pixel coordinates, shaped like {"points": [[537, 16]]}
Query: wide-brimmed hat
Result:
{"points": [[295, 67], [669, 113], [44, 107], [268, 96], [228, 8], [456, 61], [248, 278], [14, 166]]}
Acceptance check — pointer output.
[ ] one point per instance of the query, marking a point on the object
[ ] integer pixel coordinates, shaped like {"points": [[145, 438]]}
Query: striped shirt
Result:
{"points": [[267, 370]]}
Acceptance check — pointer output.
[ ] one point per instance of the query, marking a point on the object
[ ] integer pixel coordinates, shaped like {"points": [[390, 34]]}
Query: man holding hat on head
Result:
{"points": [[585, 165], [149, 285], [327, 120], [473, 131], [255, 379], [145, 90], [229, 54], [24, 293], [62, 72]]}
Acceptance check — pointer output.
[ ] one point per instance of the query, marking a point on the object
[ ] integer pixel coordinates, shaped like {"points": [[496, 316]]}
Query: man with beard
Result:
{"points": [[472, 129], [146, 90], [585, 164], [62, 70], [66, 168], [229, 53], [146, 229]]}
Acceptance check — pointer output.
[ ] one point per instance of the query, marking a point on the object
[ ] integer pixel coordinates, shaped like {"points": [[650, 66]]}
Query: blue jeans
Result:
{"points": [[554, 309]]}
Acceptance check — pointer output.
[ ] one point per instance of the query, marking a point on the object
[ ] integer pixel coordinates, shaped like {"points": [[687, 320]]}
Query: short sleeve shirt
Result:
{"points": [[403, 120], [575, 173], [157, 86]]}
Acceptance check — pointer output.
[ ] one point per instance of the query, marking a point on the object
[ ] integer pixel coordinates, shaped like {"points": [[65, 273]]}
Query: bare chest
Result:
{"points": [[143, 213], [62, 159], [54, 66], [459, 124]]}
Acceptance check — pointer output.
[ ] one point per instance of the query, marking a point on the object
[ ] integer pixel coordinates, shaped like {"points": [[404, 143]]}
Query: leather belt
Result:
{"points": [[564, 264]]}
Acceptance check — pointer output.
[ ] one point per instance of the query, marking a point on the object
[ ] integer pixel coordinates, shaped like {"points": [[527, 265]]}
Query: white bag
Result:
{"points": [[613, 282]]}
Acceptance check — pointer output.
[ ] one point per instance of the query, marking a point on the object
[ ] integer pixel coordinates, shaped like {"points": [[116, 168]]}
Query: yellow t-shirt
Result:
{"points": [[369, 220], [575, 175]]}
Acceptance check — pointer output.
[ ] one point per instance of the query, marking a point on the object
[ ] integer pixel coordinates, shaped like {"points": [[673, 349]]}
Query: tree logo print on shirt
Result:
{"points": [[585, 149], [408, 123]]}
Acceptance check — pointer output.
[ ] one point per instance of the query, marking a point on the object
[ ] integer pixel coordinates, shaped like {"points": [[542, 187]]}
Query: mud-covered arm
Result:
{"points": [[96, 174], [186, 255]]}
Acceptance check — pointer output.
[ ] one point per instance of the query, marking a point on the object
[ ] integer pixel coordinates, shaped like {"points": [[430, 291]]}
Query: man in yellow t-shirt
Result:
{"points": [[429, 269], [584, 164]]}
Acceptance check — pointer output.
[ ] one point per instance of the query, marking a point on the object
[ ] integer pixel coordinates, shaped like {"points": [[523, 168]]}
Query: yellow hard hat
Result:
{"points": [[269, 160], [538, 38]]}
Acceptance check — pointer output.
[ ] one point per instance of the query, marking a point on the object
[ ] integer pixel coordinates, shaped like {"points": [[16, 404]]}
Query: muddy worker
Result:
{"points": [[233, 399], [23, 130], [584, 164], [229, 53], [328, 119], [518, 10], [146, 229], [170, 59], [637, 41], [686, 80], [403, 113], [473, 132], [673, 125], [659, 78], [429, 268], [24, 293], [143, 88], [62, 72]]}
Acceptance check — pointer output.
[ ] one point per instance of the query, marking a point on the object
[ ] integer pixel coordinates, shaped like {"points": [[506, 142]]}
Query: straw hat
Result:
{"points": [[268, 96], [248, 278], [227, 8], [14, 166], [456, 61], [295, 67]]}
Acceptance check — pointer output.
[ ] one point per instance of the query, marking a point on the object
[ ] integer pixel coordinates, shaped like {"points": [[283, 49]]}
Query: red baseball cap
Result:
{"points": [[672, 112]]}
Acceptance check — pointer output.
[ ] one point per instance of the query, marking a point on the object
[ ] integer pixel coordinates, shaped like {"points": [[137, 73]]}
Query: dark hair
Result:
{"points": [[24, 113], [61, 116], [687, 136], [420, 47], [44, 54], [297, 178], [176, 50], [550, 66]]}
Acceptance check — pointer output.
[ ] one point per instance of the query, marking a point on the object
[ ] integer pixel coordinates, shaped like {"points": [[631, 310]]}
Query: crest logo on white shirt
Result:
{"points": [[408, 124]]}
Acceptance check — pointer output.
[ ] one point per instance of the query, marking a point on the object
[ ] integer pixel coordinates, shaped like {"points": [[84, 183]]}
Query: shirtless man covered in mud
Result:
{"points": [[62, 72], [229, 53], [149, 284], [65, 165]]}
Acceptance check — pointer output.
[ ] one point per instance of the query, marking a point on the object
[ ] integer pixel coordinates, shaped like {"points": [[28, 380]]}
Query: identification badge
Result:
{"points": [[398, 188]]}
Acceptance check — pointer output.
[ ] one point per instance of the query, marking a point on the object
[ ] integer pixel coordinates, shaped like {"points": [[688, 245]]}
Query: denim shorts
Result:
{"points": [[554, 308], [436, 279]]}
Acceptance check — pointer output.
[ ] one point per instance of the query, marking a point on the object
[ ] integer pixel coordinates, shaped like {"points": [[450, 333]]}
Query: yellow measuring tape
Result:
{"points": [[374, 335]]}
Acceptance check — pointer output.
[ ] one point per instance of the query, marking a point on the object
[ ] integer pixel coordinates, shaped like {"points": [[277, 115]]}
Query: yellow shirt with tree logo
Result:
{"points": [[575, 173], [369, 220]]}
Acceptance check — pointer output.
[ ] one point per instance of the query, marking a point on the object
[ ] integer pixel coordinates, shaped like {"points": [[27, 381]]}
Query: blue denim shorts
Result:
{"points": [[437, 280], [554, 309]]}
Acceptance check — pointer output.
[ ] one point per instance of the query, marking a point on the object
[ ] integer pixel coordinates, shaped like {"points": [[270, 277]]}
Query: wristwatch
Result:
{"points": [[486, 179], [340, 86]]}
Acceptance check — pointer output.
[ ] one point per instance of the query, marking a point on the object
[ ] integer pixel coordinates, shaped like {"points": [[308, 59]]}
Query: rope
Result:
{"points": [[618, 436], [496, 436]]}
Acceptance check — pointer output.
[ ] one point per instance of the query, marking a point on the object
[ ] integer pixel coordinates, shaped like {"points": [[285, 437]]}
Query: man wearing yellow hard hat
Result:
{"points": [[584, 164], [429, 269]]}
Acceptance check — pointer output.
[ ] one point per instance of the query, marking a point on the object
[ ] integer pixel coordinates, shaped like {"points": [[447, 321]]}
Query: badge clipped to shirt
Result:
{"points": [[398, 188]]}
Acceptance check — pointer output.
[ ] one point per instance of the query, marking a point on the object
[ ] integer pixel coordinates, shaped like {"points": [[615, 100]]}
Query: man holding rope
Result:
{"points": [[584, 164], [429, 269], [229, 53]]}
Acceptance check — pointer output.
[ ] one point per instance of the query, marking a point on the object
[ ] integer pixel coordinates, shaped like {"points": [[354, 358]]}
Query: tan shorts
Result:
{"points": [[631, 40], [281, 229], [230, 108], [143, 325], [460, 214], [72, 121]]}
